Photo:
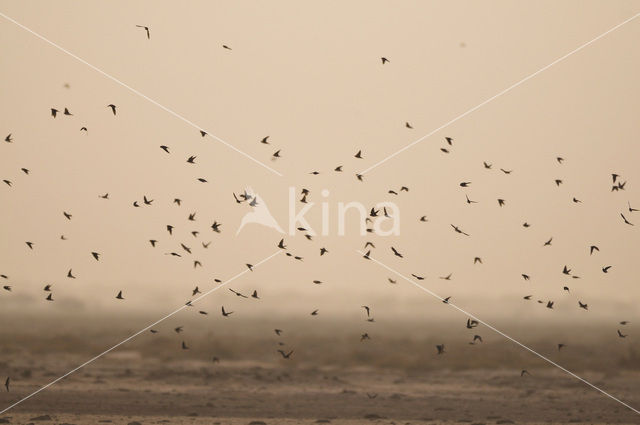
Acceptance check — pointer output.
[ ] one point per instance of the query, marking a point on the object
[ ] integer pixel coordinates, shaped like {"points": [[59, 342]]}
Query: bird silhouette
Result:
{"points": [[384, 60], [147, 31], [119, 296], [285, 355], [457, 229], [226, 313], [113, 108], [238, 293]]}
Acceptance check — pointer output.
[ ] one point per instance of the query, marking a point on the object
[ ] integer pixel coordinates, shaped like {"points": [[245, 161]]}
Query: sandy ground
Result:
{"points": [[124, 389], [395, 378]]}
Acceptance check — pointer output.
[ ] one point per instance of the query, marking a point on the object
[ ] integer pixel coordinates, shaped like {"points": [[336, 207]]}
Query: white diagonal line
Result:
{"points": [[508, 89], [433, 294], [114, 79], [137, 333]]}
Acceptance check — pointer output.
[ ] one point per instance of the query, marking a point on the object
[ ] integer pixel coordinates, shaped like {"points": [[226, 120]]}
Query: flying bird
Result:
{"points": [[146, 29], [458, 230], [384, 60], [113, 108], [226, 313], [238, 293], [285, 355], [119, 296]]}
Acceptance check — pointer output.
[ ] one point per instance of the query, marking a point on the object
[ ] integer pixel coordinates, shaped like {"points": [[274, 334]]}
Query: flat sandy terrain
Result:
{"points": [[124, 389], [344, 381]]}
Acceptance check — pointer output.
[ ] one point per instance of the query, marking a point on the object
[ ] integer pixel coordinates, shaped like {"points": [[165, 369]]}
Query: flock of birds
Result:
{"points": [[247, 198]]}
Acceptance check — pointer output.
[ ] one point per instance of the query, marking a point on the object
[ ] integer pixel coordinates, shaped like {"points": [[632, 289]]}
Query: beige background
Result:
{"points": [[309, 76]]}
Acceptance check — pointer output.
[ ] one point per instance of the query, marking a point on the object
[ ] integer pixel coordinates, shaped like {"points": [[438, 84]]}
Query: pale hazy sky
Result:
{"points": [[309, 76]]}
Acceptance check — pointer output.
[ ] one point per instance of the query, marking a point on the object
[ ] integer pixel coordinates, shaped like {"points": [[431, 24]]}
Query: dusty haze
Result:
{"points": [[308, 75]]}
